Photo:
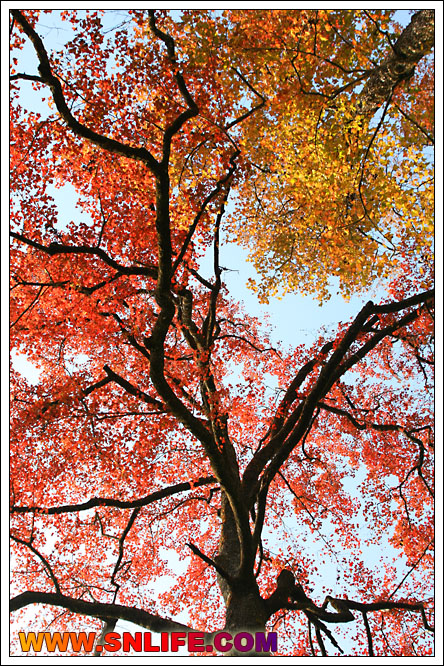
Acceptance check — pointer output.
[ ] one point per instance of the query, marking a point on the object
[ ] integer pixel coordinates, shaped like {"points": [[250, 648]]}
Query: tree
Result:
{"points": [[151, 426]]}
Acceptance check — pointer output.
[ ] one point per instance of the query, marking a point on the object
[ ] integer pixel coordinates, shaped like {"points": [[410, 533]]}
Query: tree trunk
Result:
{"points": [[245, 609]]}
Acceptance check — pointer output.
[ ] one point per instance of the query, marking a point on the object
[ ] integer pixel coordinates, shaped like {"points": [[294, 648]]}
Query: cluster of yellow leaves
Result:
{"points": [[325, 195]]}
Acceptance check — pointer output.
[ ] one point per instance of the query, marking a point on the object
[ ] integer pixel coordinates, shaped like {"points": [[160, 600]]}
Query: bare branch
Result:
{"points": [[220, 570], [99, 610], [369, 635], [123, 536], [392, 594], [114, 502]]}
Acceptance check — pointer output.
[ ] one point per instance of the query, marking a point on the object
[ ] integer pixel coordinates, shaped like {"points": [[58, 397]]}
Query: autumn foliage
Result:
{"points": [[167, 460]]}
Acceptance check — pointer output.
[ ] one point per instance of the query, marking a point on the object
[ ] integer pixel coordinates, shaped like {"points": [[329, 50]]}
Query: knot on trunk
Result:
{"points": [[287, 592]]}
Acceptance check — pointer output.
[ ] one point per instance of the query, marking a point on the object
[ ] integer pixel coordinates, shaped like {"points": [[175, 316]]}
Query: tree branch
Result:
{"points": [[104, 142], [369, 635], [283, 442], [193, 109], [415, 41], [120, 504], [123, 536], [133, 390], [211, 563], [210, 197], [45, 562], [26, 77], [344, 606], [59, 248], [99, 610]]}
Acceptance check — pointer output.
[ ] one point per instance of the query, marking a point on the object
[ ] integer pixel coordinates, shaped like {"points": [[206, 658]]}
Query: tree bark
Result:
{"points": [[416, 40], [245, 609]]}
